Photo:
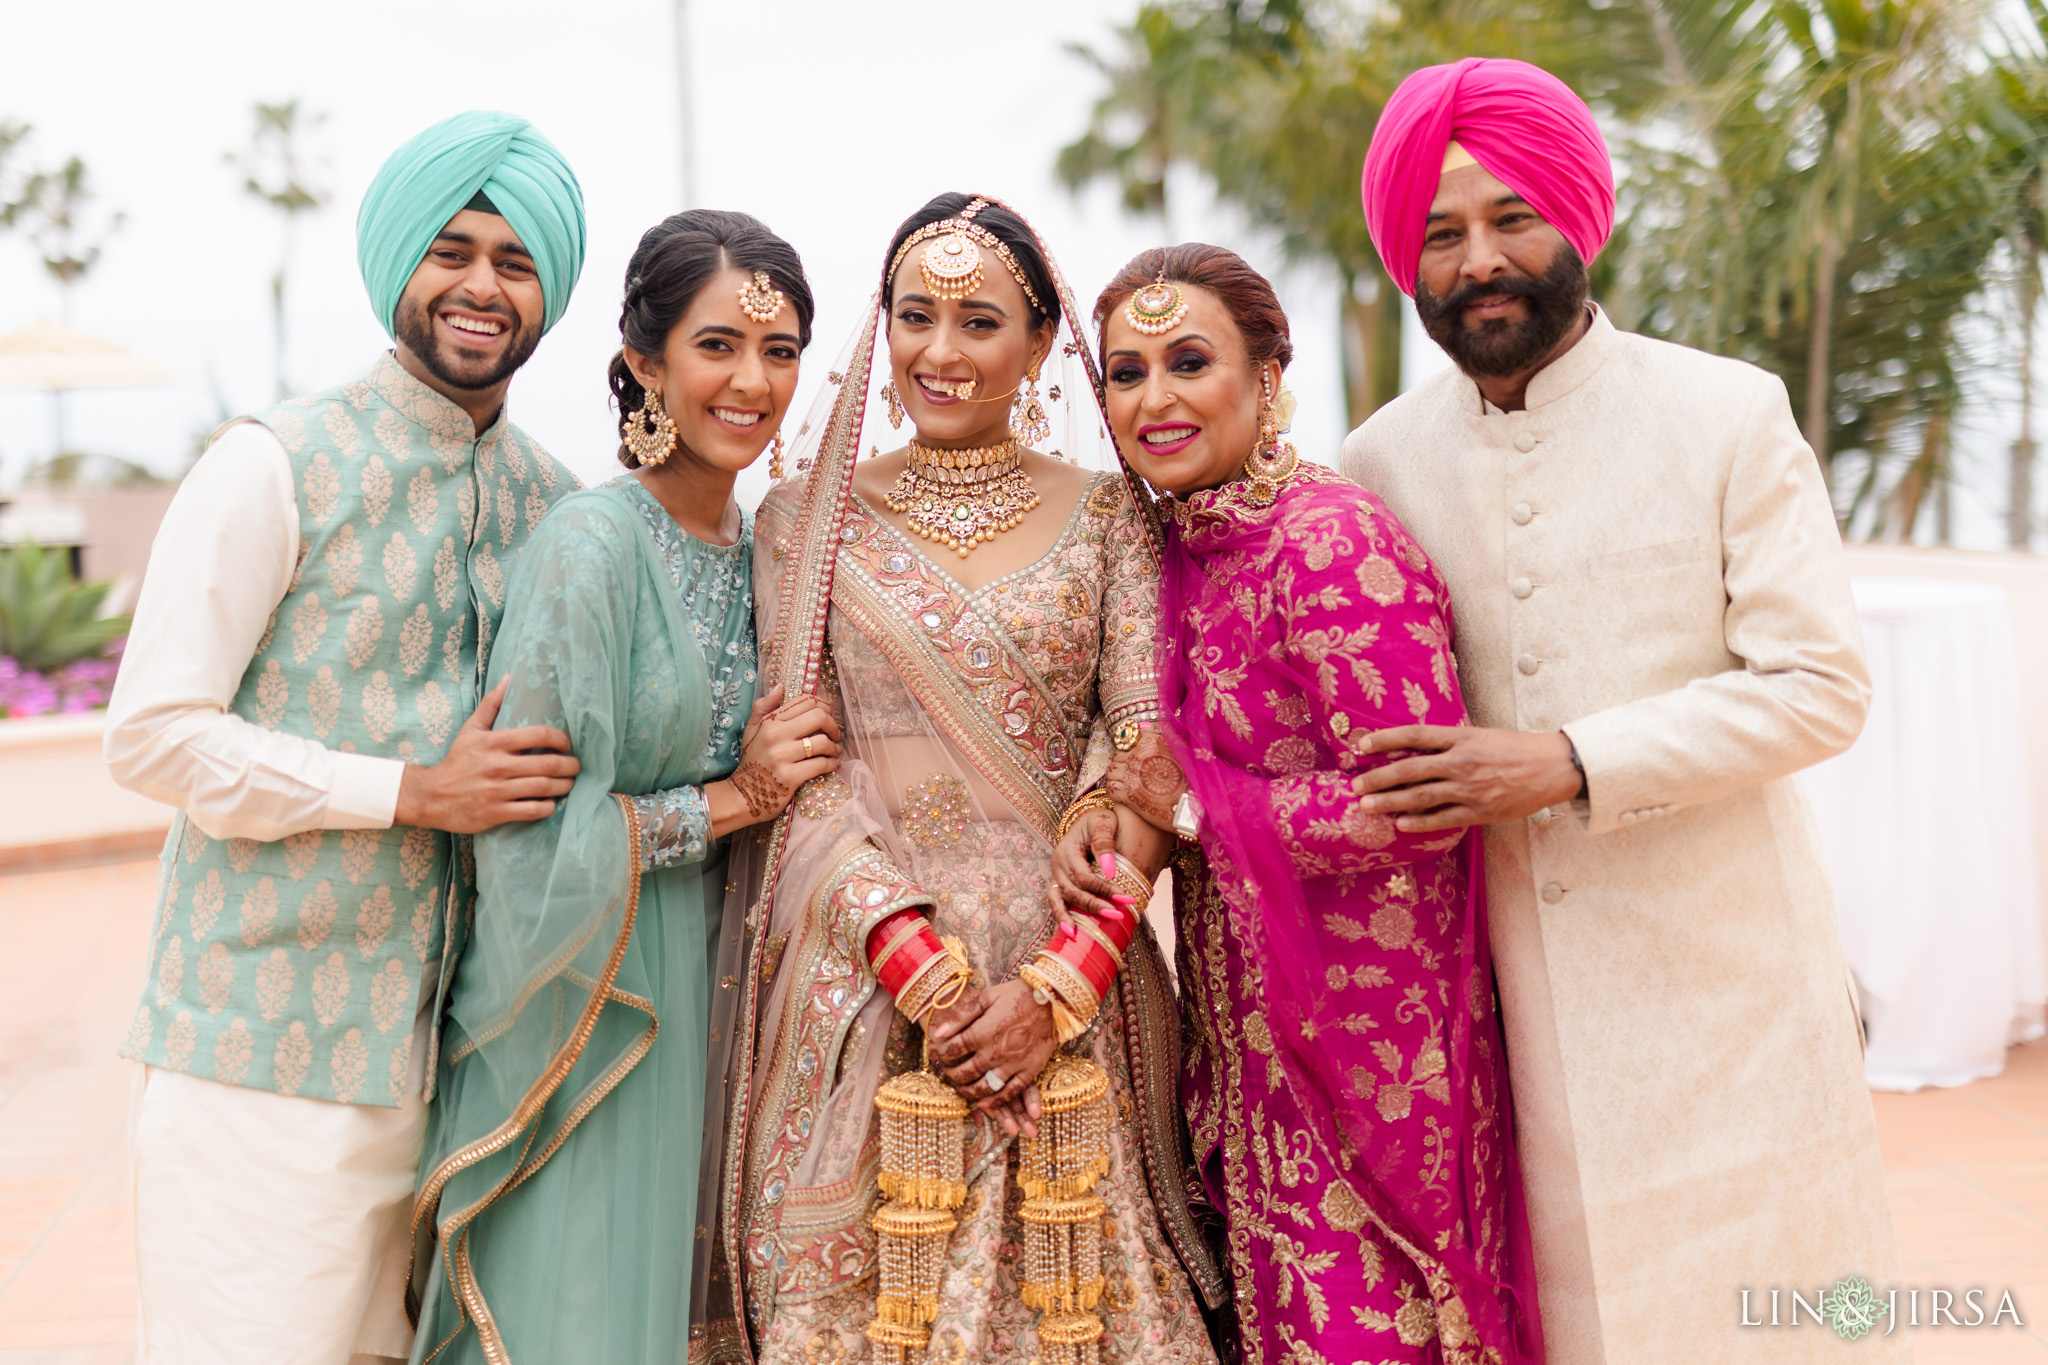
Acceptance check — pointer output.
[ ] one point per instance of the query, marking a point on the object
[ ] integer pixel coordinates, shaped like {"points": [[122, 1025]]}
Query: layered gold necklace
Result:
{"points": [[963, 498]]}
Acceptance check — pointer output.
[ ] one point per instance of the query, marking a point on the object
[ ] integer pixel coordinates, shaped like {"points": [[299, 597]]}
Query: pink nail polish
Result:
{"points": [[1108, 862]]}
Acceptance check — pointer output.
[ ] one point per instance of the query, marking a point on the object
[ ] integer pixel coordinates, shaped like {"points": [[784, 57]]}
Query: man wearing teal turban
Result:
{"points": [[313, 630]]}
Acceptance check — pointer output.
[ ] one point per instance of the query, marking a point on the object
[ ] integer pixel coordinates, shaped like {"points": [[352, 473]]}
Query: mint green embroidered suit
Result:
{"points": [[558, 1198], [297, 966]]}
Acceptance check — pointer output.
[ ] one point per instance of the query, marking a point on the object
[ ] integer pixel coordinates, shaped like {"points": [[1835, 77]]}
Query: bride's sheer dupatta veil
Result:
{"points": [[802, 894]]}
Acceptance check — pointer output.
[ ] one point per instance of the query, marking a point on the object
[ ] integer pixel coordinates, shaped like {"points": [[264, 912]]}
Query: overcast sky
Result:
{"points": [[829, 119]]}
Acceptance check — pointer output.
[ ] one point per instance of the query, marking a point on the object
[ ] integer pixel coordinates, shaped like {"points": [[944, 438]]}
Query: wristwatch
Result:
{"points": [[1187, 817], [1579, 766]]}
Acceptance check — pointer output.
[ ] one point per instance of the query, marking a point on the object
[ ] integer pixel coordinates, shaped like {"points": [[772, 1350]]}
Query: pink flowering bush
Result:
{"points": [[81, 685], [58, 651]]}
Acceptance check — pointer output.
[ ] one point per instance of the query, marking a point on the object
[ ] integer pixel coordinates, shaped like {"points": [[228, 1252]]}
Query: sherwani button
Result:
{"points": [[1521, 587], [1552, 893], [1524, 442], [1521, 513], [1628, 817], [1541, 817], [1528, 664]]}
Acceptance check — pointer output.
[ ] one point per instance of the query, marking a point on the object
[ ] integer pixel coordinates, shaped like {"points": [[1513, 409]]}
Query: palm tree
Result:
{"points": [[2018, 108], [65, 232], [1276, 102], [18, 188], [273, 170], [1830, 210]]}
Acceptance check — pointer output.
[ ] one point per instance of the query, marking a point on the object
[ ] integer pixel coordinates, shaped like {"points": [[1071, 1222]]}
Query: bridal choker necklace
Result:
{"points": [[963, 498]]}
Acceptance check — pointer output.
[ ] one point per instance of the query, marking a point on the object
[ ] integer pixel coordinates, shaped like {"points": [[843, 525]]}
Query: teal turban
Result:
{"points": [[433, 177]]}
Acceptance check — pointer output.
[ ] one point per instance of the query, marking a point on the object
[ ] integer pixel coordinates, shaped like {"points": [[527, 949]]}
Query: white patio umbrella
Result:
{"points": [[57, 359]]}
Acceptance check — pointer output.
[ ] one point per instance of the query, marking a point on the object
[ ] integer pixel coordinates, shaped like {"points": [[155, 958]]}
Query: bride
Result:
{"points": [[979, 616]]}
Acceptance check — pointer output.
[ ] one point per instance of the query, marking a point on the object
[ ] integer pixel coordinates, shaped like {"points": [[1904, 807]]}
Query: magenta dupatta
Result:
{"points": [[1290, 631]]}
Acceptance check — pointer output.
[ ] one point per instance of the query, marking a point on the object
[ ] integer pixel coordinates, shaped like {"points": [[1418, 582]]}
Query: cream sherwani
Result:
{"points": [[1645, 558]]}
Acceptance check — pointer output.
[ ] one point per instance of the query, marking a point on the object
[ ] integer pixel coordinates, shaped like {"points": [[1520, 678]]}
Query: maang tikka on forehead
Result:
{"points": [[1157, 308], [760, 300], [952, 266]]}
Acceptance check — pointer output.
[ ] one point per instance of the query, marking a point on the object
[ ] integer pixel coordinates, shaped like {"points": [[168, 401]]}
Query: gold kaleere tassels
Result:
{"points": [[1062, 1213], [924, 1178]]}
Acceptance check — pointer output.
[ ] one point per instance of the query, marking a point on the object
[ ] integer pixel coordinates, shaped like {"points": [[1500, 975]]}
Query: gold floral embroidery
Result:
{"points": [[216, 977], [446, 574], [936, 811], [389, 991], [415, 857], [259, 911], [330, 989], [323, 704], [321, 486], [179, 1042], [423, 502], [821, 796], [309, 623], [348, 1064], [365, 630], [316, 915], [232, 1053], [208, 899], [380, 707], [294, 1056], [373, 921], [400, 566], [423, 925], [344, 556], [273, 694], [274, 985]]}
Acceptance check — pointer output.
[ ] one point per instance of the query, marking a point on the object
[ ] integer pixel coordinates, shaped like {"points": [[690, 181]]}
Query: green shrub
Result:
{"points": [[48, 618]]}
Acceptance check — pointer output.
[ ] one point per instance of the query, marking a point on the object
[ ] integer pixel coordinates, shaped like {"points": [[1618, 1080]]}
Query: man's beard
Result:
{"points": [[416, 330], [1499, 347]]}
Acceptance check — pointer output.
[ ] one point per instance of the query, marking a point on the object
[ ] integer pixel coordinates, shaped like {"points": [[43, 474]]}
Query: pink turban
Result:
{"points": [[1521, 123]]}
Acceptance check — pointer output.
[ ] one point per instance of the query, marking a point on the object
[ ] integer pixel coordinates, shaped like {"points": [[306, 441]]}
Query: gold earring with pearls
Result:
{"points": [[650, 431]]}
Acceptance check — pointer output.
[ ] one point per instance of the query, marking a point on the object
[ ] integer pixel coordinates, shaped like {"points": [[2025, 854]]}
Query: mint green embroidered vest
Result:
{"points": [[297, 966]]}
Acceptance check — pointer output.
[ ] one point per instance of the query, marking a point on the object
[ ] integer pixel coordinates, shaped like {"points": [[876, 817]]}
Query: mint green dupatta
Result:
{"points": [[558, 1189]]}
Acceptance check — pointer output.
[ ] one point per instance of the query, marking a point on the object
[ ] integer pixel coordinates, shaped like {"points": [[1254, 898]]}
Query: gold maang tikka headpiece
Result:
{"points": [[952, 268], [1157, 308], [760, 299]]}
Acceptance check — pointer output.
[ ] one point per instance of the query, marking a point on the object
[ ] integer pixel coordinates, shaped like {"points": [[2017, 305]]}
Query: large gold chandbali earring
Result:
{"points": [[1272, 460], [650, 431], [1027, 416], [892, 402]]}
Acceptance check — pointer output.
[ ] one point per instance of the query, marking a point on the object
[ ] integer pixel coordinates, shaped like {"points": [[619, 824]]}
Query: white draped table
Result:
{"points": [[1928, 831]]}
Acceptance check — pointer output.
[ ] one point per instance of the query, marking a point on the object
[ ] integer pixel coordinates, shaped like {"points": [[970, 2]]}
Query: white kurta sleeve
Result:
{"points": [[1802, 689], [222, 561]]}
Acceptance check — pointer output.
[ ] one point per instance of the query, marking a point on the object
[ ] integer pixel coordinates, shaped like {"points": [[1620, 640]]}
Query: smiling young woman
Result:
{"points": [[1354, 1030], [631, 630], [977, 611]]}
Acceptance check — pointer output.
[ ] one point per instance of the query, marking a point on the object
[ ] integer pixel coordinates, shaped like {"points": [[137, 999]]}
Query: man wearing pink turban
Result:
{"points": [[1654, 633]]}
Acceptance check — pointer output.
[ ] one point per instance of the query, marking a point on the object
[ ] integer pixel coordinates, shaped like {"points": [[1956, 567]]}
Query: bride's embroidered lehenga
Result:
{"points": [[972, 718]]}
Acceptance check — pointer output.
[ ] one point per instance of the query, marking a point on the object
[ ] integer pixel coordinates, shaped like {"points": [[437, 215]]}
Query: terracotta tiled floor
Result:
{"points": [[1968, 1168]]}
